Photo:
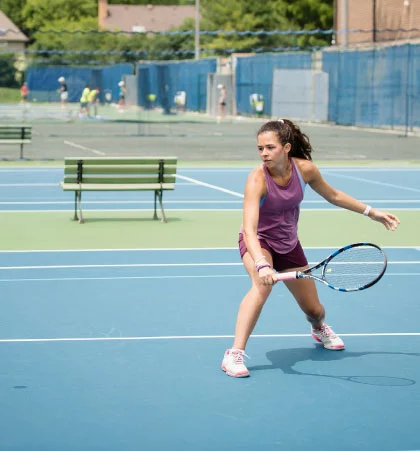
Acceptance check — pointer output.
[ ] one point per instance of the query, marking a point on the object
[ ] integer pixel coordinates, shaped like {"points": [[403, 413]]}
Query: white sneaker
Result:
{"points": [[328, 338], [233, 363]]}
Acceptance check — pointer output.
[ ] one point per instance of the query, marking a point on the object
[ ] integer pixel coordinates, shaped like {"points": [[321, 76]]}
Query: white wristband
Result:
{"points": [[367, 210]]}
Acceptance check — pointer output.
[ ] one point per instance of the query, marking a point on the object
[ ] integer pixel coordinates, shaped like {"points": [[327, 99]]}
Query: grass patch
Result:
{"points": [[10, 95]]}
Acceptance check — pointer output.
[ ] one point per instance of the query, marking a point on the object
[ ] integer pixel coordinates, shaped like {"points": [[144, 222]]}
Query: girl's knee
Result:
{"points": [[262, 292], [315, 312]]}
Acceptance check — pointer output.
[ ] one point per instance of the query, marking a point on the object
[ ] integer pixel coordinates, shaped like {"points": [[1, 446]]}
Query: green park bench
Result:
{"points": [[16, 134], [119, 174]]}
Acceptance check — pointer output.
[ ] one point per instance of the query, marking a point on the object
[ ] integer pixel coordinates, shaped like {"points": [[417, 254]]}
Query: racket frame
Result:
{"points": [[305, 274]]}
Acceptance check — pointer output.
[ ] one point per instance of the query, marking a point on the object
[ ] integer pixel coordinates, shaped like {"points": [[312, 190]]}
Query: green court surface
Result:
{"points": [[132, 230]]}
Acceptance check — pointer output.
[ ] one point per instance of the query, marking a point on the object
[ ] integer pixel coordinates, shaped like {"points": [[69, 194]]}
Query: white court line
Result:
{"points": [[128, 265], [141, 202], [116, 201], [218, 188], [373, 182], [78, 146], [162, 265], [238, 169], [194, 337], [63, 279], [27, 184], [202, 210], [215, 276], [176, 249], [13, 185]]}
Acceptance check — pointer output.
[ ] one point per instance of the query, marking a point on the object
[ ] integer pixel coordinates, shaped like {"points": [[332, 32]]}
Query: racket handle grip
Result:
{"points": [[286, 276]]}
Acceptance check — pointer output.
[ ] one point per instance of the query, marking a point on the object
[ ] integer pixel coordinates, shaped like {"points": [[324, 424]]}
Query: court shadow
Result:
{"points": [[286, 359]]}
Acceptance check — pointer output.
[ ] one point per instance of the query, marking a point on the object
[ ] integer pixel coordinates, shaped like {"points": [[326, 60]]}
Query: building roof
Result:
{"points": [[9, 31], [145, 18]]}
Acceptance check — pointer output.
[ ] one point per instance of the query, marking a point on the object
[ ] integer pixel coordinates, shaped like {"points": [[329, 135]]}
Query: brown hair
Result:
{"points": [[288, 132]]}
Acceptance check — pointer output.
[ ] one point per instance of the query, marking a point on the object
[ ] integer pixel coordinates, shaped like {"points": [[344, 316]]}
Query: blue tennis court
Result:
{"points": [[121, 349]]}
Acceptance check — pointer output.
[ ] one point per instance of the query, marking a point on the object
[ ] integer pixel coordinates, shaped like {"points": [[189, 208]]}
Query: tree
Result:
{"points": [[252, 18], [74, 47], [40, 13], [311, 15], [268, 15], [8, 71], [13, 10]]}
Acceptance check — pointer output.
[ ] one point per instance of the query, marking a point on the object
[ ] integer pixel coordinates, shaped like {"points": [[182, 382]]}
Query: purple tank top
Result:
{"points": [[279, 212]]}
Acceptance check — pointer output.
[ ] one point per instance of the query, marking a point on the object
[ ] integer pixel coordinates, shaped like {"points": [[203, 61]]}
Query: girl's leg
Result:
{"points": [[248, 314], [252, 304], [306, 295]]}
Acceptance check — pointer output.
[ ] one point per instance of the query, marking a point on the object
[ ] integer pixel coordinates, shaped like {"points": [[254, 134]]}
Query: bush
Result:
{"points": [[8, 72]]}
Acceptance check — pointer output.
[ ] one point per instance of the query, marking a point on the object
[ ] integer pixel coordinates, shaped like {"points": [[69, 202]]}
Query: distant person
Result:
{"points": [[93, 100], [84, 101], [24, 92], [180, 100], [64, 93], [221, 102], [122, 95]]}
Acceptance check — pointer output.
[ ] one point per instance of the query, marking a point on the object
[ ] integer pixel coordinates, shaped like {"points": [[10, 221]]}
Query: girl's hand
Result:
{"points": [[389, 220], [266, 276]]}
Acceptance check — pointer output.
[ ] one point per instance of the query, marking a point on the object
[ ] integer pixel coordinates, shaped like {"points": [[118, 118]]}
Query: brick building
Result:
{"points": [[374, 16]]}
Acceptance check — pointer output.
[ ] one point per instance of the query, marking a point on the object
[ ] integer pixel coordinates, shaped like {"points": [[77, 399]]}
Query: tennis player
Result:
{"points": [[122, 95], [84, 101], [64, 92], [24, 92], [268, 240], [221, 102]]}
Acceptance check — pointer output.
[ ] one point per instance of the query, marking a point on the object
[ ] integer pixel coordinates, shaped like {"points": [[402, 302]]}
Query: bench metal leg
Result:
{"points": [[81, 220], [155, 216], [78, 206], [160, 195], [75, 218]]}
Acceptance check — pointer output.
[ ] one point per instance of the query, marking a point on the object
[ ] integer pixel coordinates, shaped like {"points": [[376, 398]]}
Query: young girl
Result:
{"points": [[268, 240]]}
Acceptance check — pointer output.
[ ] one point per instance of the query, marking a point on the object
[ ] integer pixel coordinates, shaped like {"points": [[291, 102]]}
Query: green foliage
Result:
{"points": [[268, 15], [75, 41], [8, 71], [10, 95], [38, 16], [311, 15], [43, 13], [13, 10]]}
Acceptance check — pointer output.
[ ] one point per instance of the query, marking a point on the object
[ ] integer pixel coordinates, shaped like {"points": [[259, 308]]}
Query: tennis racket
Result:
{"points": [[354, 267]]}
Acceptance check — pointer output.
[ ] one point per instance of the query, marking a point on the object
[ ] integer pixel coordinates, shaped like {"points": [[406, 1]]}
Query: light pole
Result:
{"points": [[197, 29], [344, 22]]}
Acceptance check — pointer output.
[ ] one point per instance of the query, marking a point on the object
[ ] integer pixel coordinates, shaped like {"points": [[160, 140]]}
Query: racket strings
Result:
{"points": [[355, 267]]}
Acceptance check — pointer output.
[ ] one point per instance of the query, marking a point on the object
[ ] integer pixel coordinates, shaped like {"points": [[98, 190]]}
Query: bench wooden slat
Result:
{"points": [[120, 169], [15, 126], [14, 133], [120, 161], [115, 180], [120, 187], [14, 141]]}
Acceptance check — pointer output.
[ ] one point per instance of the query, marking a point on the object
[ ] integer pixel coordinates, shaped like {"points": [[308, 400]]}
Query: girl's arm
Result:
{"points": [[314, 178], [255, 189]]}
